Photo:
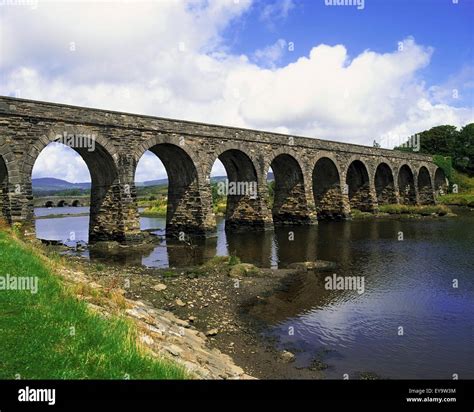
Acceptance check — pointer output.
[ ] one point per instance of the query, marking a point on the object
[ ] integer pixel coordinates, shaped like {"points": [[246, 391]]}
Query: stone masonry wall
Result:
{"points": [[27, 127]]}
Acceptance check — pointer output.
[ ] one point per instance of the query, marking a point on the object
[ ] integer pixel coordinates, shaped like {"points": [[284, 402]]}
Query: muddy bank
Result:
{"points": [[219, 302]]}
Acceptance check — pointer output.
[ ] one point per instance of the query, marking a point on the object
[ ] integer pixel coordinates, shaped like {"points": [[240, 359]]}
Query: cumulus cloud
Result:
{"points": [[169, 59], [60, 161]]}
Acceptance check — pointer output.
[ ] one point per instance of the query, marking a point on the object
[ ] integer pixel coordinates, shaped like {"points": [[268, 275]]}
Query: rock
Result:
{"points": [[105, 246], [243, 269], [287, 356], [212, 332], [315, 265], [174, 350], [318, 365], [146, 339], [180, 303], [159, 287], [192, 318]]}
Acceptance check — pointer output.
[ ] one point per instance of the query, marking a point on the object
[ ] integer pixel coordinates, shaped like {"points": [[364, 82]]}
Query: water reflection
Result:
{"points": [[408, 267]]}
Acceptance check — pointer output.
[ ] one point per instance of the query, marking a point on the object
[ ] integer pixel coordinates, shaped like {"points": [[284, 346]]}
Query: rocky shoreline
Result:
{"points": [[160, 331], [201, 316]]}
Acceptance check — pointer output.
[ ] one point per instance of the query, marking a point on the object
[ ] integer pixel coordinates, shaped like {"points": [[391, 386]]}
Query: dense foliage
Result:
{"points": [[448, 141]]}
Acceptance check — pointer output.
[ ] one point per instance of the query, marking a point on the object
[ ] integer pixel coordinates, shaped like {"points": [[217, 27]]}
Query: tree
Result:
{"points": [[446, 141]]}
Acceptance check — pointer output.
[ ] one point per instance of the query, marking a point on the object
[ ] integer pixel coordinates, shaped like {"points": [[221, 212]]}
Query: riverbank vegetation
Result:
{"points": [[404, 211], [453, 151], [465, 191], [52, 334]]}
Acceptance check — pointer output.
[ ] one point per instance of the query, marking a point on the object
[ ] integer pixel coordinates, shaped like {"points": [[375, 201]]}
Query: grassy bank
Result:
{"points": [[52, 334], [465, 195], [154, 207], [404, 211], [426, 210]]}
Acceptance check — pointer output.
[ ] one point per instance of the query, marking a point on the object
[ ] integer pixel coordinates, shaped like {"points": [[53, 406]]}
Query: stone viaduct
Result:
{"points": [[314, 179]]}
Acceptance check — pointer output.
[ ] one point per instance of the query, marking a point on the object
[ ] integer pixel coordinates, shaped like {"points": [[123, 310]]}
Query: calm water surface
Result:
{"points": [[408, 284]]}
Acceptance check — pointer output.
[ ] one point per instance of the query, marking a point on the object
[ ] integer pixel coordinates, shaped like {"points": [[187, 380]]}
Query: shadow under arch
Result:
{"points": [[358, 184], [425, 187], [406, 186], [243, 207], [327, 189], [184, 211], [384, 185], [440, 182], [289, 204]]}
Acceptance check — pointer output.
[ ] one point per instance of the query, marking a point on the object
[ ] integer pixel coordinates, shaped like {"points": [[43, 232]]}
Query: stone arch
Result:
{"points": [[384, 185], [76, 203], [243, 201], [327, 190], [406, 185], [425, 187], [49, 203], [227, 146], [289, 205], [358, 186], [184, 212], [440, 182], [62, 203], [101, 159]]}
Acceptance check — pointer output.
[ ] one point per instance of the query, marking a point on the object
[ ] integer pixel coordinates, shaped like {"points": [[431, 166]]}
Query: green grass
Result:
{"points": [[155, 207], [219, 208], [35, 330], [358, 214], [465, 183], [414, 210], [458, 199], [465, 197]]}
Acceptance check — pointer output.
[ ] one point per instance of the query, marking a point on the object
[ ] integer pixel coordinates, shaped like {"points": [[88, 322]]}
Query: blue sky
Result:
{"points": [[381, 72], [379, 26]]}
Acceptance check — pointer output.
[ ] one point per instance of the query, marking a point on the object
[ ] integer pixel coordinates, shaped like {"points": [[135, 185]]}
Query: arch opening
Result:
{"points": [[327, 190], [384, 185], [177, 196], [49, 203], [76, 164], [425, 188], [4, 198], [76, 203], [241, 190], [406, 186], [358, 187], [289, 206], [440, 182]]}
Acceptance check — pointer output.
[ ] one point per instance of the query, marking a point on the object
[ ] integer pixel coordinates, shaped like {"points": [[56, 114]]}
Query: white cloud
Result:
{"points": [[277, 10], [58, 160], [272, 54], [327, 94]]}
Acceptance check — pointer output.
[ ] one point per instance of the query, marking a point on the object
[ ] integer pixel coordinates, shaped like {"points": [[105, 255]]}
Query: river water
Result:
{"points": [[410, 322]]}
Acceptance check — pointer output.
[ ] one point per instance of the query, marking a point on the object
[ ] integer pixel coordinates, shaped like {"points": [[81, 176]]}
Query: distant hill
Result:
{"points": [[50, 185], [159, 182]]}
